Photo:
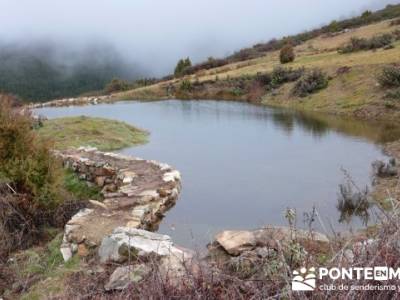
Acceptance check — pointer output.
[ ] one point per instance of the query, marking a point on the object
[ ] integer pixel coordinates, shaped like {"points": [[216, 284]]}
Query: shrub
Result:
{"points": [[359, 44], [396, 34], [390, 76], [281, 75], [394, 95], [309, 83], [116, 85], [333, 26], [380, 41], [25, 160], [366, 14], [185, 86], [286, 54], [264, 79], [395, 22]]}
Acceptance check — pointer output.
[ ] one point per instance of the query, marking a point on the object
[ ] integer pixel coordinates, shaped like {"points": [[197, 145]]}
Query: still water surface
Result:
{"points": [[243, 165]]}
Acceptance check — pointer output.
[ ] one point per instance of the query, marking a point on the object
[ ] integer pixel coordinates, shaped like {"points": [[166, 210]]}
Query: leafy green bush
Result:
{"points": [[286, 54], [31, 193], [310, 82], [390, 76], [25, 160]]}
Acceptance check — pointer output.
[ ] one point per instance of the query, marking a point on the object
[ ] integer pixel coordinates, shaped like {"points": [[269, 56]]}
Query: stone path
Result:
{"points": [[136, 193]]}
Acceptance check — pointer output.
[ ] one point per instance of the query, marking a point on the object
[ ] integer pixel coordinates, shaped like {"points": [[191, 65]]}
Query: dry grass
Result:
{"points": [[324, 43]]}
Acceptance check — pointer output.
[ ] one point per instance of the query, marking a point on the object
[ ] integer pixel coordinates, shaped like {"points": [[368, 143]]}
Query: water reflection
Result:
{"points": [[354, 203], [319, 125], [288, 120]]}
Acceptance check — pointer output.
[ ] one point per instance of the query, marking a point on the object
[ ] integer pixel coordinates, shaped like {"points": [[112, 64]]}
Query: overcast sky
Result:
{"points": [[155, 33]]}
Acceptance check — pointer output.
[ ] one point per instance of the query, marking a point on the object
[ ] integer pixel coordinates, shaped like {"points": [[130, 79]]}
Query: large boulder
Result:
{"points": [[123, 276], [269, 236], [273, 237], [236, 241], [127, 242]]}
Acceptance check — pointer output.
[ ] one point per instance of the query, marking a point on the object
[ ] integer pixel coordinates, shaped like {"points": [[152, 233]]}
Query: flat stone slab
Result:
{"points": [[137, 193]]}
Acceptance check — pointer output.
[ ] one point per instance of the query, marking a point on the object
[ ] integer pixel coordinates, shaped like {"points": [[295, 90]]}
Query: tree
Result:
{"points": [[181, 66], [116, 85], [334, 26], [366, 14], [287, 54]]}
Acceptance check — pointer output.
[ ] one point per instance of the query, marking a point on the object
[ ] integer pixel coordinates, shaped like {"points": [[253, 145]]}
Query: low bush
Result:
{"points": [[390, 76], [396, 34], [264, 79], [286, 54], [282, 75], [395, 22], [358, 44], [394, 95], [185, 86], [116, 85], [310, 82]]}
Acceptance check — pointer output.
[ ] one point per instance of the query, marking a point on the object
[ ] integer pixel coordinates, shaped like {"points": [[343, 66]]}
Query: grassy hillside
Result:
{"points": [[352, 90]]}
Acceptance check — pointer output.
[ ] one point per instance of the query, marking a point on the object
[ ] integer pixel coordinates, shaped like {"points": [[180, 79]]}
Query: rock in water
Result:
{"points": [[382, 169]]}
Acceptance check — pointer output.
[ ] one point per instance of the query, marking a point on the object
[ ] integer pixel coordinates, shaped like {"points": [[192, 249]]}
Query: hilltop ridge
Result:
{"points": [[353, 87]]}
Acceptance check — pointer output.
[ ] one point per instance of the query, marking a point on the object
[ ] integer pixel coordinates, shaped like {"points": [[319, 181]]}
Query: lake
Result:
{"points": [[242, 165]]}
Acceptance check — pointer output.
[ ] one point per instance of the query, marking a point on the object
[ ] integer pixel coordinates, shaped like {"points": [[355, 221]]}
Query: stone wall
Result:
{"points": [[136, 192]]}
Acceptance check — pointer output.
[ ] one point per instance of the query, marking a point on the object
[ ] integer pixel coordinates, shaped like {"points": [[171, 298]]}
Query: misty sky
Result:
{"points": [[155, 33]]}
